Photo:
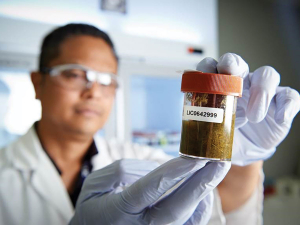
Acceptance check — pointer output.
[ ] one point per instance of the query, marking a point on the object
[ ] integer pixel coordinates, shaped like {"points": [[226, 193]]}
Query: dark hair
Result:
{"points": [[52, 42]]}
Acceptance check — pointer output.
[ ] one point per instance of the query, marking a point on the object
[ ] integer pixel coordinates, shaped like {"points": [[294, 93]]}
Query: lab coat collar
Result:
{"points": [[24, 154], [30, 158], [105, 154]]}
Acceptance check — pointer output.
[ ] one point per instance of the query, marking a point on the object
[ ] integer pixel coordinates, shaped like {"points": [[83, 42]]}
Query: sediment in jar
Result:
{"points": [[207, 139]]}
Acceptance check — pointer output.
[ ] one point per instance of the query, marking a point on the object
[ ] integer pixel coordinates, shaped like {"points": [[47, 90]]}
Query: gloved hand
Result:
{"points": [[126, 192], [265, 112]]}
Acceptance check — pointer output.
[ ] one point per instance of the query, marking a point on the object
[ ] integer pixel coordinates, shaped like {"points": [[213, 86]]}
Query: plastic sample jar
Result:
{"points": [[209, 114]]}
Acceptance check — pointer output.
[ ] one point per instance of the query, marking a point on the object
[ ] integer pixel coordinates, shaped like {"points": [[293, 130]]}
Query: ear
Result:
{"points": [[36, 79]]}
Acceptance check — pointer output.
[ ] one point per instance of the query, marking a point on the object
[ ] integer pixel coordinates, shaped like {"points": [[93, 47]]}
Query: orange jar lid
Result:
{"points": [[211, 83]]}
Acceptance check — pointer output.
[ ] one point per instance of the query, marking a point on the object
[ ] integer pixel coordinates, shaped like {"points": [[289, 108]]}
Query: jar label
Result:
{"points": [[205, 114]]}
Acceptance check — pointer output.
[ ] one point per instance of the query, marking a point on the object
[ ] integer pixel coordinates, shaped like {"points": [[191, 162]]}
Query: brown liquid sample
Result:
{"points": [[207, 139]]}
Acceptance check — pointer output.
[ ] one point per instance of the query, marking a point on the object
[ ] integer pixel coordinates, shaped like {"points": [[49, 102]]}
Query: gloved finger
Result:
{"points": [[263, 84], [203, 211], [241, 118], [151, 187], [120, 173], [207, 65], [231, 63], [188, 195], [287, 105]]}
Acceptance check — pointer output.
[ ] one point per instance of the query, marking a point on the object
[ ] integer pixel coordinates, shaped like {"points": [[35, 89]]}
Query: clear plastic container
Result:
{"points": [[209, 114]]}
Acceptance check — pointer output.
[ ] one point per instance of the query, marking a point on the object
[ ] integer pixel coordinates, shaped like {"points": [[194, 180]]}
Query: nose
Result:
{"points": [[94, 90]]}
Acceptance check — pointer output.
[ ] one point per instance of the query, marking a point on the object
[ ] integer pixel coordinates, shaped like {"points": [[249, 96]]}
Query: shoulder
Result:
{"points": [[6, 155], [9, 173], [21, 153], [6, 138]]}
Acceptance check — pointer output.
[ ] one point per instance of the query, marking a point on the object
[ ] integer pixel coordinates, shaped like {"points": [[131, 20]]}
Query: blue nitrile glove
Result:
{"points": [[265, 112], [126, 192]]}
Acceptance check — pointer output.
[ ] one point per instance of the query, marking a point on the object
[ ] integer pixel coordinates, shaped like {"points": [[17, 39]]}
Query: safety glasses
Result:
{"points": [[78, 77]]}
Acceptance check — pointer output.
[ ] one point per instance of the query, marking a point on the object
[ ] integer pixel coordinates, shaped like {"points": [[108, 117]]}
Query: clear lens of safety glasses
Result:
{"points": [[105, 79], [78, 77]]}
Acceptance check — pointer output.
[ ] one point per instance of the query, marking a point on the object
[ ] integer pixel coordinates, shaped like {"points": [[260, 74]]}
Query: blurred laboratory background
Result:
{"points": [[156, 40]]}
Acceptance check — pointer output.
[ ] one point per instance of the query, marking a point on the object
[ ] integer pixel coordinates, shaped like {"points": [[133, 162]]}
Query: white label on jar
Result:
{"points": [[205, 114]]}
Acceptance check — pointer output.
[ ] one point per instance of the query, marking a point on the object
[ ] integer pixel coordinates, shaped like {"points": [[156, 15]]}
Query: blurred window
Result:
{"points": [[156, 111], [23, 109]]}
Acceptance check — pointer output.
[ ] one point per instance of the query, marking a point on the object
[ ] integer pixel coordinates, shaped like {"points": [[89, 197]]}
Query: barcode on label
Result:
{"points": [[205, 114]]}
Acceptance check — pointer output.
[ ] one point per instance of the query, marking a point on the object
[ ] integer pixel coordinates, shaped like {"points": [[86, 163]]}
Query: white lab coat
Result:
{"points": [[6, 137], [32, 191]]}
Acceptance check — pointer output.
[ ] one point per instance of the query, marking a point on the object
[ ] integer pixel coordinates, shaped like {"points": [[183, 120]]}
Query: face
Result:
{"points": [[81, 112]]}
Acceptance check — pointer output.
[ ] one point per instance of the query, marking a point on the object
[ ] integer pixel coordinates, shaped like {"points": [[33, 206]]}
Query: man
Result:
{"points": [[42, 173]]}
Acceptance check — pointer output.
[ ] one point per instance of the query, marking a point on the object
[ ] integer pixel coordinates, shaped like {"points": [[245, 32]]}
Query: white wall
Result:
{"points": [[189, 20], [169, 27]]}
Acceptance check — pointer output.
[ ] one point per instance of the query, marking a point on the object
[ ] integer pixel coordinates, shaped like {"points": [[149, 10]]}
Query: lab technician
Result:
{"points": [[42, 172]]}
